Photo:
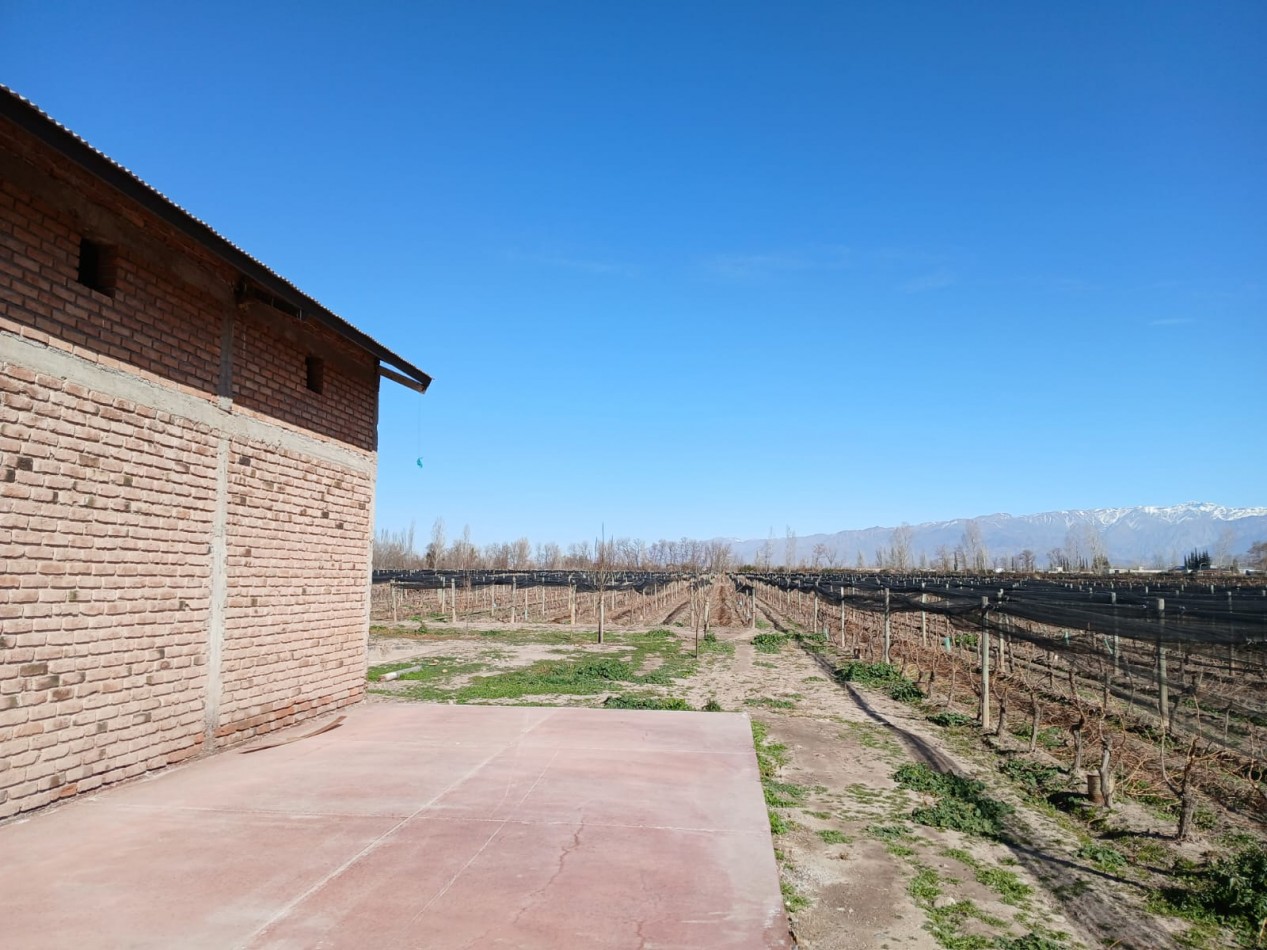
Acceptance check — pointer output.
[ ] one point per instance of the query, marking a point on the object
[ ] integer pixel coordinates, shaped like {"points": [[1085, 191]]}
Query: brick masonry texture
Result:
{"points": [[108, 505]]}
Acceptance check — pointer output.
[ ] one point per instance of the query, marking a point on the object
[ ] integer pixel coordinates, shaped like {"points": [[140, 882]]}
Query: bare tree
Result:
{"points": [[1223, 548], [1257, 556], [462, 553], [766, 555], [436, 549], [549, 556], [578, 557], [790, 562], [975, 551], [900, 547], [521, 554], [394, 550]]}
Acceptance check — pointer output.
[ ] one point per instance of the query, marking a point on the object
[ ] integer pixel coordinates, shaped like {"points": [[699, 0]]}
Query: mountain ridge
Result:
{"points": [[1135, 536]]}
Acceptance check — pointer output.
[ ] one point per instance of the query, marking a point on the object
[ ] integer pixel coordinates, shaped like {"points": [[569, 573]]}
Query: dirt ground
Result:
{"points": [[856, 871]]}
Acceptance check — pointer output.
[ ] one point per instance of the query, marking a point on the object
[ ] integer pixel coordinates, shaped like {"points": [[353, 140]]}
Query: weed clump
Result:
{"points": [[624, 701], [961, 804], [1230, 891], [951, 719], [1034, 778], [769, 642], [882, 676], [1102, 856]]}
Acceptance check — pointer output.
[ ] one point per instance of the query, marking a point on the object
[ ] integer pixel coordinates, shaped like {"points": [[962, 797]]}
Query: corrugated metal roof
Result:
{"points": [[30, 117]]}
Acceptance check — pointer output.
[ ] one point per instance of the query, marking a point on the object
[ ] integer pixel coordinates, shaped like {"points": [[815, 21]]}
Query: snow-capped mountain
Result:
{"points": [[1143, 536]]}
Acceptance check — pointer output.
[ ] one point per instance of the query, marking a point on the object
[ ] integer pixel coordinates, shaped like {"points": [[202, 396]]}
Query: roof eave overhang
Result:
{"points": [[70, 146]]}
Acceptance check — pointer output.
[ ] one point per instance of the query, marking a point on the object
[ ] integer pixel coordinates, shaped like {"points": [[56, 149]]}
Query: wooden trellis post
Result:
{"points": [[985, 665]]}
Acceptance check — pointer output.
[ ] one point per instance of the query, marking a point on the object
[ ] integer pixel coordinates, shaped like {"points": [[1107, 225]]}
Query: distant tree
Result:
{"points": [[766, 556], [549, 557], [977, 556], [462, 553], [1196, 560], [436, 549], [394, 550], [900, 542], [1257, 558], [1026, 562], [789, 550], [1223, 548]]}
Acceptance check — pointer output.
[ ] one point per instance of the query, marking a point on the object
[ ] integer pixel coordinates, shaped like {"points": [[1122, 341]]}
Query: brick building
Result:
{"points": [[187, 464]]}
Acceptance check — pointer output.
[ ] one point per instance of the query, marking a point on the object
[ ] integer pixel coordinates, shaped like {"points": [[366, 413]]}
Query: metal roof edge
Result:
{"points": [[30, 118]]}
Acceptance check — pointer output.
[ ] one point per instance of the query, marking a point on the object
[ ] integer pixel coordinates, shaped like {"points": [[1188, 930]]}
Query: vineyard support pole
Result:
{"points": [[888, 633], [923, 624], [1163, 684], [842, 618], [985, 665]]}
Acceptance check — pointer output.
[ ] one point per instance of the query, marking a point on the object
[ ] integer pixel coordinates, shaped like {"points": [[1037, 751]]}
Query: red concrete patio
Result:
{"points": [[418, 826]]}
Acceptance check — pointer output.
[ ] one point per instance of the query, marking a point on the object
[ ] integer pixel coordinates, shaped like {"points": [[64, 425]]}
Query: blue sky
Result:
{"points": [[700, 269]]}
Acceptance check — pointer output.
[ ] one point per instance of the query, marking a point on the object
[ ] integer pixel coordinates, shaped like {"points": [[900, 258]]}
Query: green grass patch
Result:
{"points": [[888, 832], [769, 642], [961, 803], [769, 702], [793, 899], [832, 836], [1230, 891], [881, 676], [433, 670], [711, 646], [815, 642], [951, 720], [579, 673], [783, 794], [1103, 856], [1034, 778], [771, 756], [631, 701], [376, 673]]}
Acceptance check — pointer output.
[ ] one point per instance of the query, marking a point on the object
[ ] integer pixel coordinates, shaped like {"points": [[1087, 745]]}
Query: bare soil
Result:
{"points": [[857, 871]]}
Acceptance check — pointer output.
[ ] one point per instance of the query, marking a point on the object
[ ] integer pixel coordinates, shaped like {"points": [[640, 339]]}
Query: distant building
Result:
{"points": [[187, 466]]}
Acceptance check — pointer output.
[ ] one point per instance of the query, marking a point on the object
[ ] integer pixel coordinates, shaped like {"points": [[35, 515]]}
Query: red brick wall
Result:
{"points": [[165, 320], [105, 511], [108, 498], [269, 372], [297, 567]]}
